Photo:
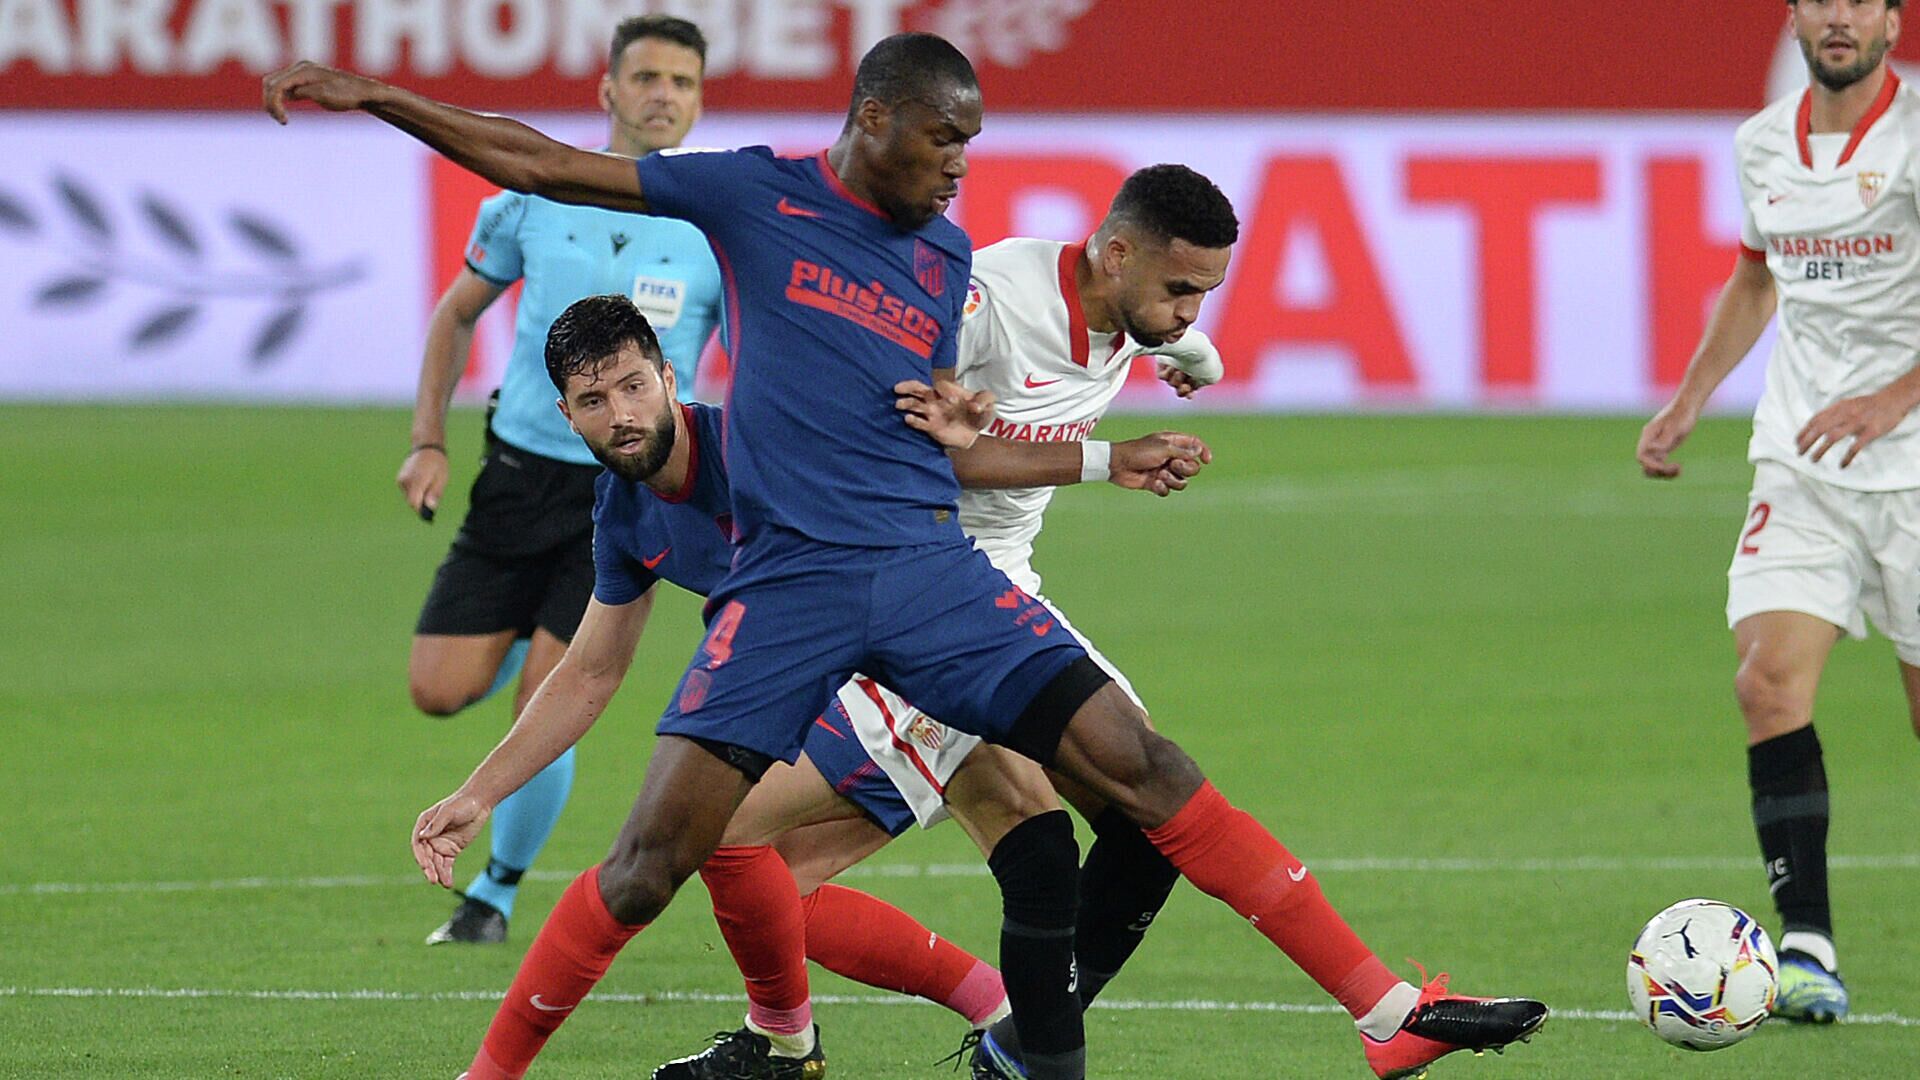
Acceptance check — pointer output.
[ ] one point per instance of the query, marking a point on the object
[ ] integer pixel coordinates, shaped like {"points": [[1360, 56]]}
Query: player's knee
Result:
{"points": [[437, 698], [1151, 777], [1769, 696], [637, 887], [1037, 865]]}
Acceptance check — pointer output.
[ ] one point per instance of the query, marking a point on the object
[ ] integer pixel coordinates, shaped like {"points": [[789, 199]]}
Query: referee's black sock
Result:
{"points": [[1123, 885], [1789, 781], [1037, 865]]}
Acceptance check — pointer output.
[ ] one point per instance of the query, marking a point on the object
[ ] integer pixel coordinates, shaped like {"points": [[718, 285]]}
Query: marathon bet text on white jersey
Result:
{"points": [[1836, 217], [1025, 338]]}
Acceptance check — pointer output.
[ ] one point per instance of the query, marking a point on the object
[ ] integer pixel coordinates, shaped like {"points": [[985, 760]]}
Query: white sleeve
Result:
{"points": [[1750, 239], [976, 330], [1195, 355]]}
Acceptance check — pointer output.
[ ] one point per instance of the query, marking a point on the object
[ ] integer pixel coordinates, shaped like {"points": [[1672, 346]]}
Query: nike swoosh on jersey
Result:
{"points": [[655, 561], [1031, 385], [1782, 197], [791, 210]]}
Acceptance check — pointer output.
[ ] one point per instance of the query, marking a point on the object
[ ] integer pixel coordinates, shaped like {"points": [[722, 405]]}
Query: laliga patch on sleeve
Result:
{"points": [[660, 300], [974, 299]]}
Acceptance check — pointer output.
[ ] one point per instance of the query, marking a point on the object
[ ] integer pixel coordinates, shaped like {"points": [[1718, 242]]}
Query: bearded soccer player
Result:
{"points": [[1831, 240], [663, 512], [845, 280], [516, 579]]}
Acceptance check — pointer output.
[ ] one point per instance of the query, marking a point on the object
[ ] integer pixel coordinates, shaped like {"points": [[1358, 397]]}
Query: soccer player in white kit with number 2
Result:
{"points": [[1831, 539]]}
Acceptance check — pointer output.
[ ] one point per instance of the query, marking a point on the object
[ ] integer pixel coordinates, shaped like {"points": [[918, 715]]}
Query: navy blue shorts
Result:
{"points": [[835, 749], [936, 623]]}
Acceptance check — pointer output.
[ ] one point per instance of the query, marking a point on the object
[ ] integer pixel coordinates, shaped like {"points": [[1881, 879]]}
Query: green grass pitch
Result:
{"points": [[1471, 669]]}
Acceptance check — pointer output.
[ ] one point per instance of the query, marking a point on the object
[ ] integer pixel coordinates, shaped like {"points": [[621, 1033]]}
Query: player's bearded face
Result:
{"points": [[1840, 54], [635, 451], [625, 416], [1162, 286]]}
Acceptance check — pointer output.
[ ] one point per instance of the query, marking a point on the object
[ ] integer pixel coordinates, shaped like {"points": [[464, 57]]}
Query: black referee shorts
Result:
{"points": [[524, 555]]}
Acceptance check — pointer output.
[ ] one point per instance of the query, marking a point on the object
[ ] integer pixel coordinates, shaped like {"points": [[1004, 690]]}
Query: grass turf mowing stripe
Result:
{"points": [[1592, 863], [1190, 1005]]}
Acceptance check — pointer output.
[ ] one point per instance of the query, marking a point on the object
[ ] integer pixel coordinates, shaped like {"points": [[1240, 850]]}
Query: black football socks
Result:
{"points": [[1789, 781], [1037, 865]]}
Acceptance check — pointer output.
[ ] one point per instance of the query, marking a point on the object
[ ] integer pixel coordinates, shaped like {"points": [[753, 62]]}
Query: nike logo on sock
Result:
{"points": [[536, 1003], [1298, 873]]}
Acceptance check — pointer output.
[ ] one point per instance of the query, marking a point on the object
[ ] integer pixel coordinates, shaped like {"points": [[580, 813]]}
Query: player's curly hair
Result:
{"points": [[910, 67], [1172, 202], [664, 27], [591, 331]]}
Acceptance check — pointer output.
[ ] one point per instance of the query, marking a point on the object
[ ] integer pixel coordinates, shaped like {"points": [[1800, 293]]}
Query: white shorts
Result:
{"points": [[1845, 556], [921, 754]]}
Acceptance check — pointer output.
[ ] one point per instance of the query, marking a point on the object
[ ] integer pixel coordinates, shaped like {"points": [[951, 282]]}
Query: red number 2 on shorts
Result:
{"points": [[1759, 515], [719, 647]]}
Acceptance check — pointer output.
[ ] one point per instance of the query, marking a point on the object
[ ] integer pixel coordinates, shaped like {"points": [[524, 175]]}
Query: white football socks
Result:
{"points": [[1389, 1012], [797, 1045], [1818, 946]]}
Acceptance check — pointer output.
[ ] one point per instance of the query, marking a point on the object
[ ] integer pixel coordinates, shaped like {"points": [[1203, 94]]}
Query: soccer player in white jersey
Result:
{"points": [[1831, 539], [1051, 331]]}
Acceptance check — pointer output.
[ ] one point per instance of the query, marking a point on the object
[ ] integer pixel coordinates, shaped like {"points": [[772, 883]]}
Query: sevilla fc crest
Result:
{"points": [[1870, 185], [929, 268]]}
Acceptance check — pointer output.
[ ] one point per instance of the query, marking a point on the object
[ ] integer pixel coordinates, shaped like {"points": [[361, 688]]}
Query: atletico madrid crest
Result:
{"points": [[1870, 185], [929, 268]]}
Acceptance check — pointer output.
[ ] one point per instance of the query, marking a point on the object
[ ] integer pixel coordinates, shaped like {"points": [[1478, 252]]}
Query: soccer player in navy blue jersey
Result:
{"points": [[843, 282]]}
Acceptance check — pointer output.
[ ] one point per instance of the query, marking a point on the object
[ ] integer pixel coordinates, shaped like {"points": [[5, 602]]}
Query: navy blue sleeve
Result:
{"points": [[704, 187], [618, 578]]}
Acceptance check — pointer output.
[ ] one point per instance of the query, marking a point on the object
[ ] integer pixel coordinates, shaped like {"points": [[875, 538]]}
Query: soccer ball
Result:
{"points": [[1702, 975]]}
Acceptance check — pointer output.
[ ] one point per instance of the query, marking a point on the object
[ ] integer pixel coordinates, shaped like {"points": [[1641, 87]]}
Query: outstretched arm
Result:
{"points": [[559, 714], [500, 149], [954, 417], [1161, 463]]}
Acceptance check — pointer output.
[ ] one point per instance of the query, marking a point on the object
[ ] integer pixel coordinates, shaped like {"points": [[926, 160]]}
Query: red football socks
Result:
{"points": [[758, 908], [1229, 856], [870, 941], [571, 953]]}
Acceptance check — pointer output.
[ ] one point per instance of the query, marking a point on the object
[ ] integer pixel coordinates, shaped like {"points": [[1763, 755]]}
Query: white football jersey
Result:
{"points": [[1025, 338], [1837, 219]]}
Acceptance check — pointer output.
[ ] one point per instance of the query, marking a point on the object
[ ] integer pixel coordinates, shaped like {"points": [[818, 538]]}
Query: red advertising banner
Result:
{"points": [[1488, 262], [1160, 56]]}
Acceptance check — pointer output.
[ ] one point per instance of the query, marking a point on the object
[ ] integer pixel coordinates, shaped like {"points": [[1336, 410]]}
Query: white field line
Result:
{"points": [[1365, 864], [671, 997], [1480, 490]]}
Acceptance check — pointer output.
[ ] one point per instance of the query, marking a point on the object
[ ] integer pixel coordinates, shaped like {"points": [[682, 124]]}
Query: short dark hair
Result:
{"points": [[665, 27], [908, 67], [591, 332], [1173, 202]]}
